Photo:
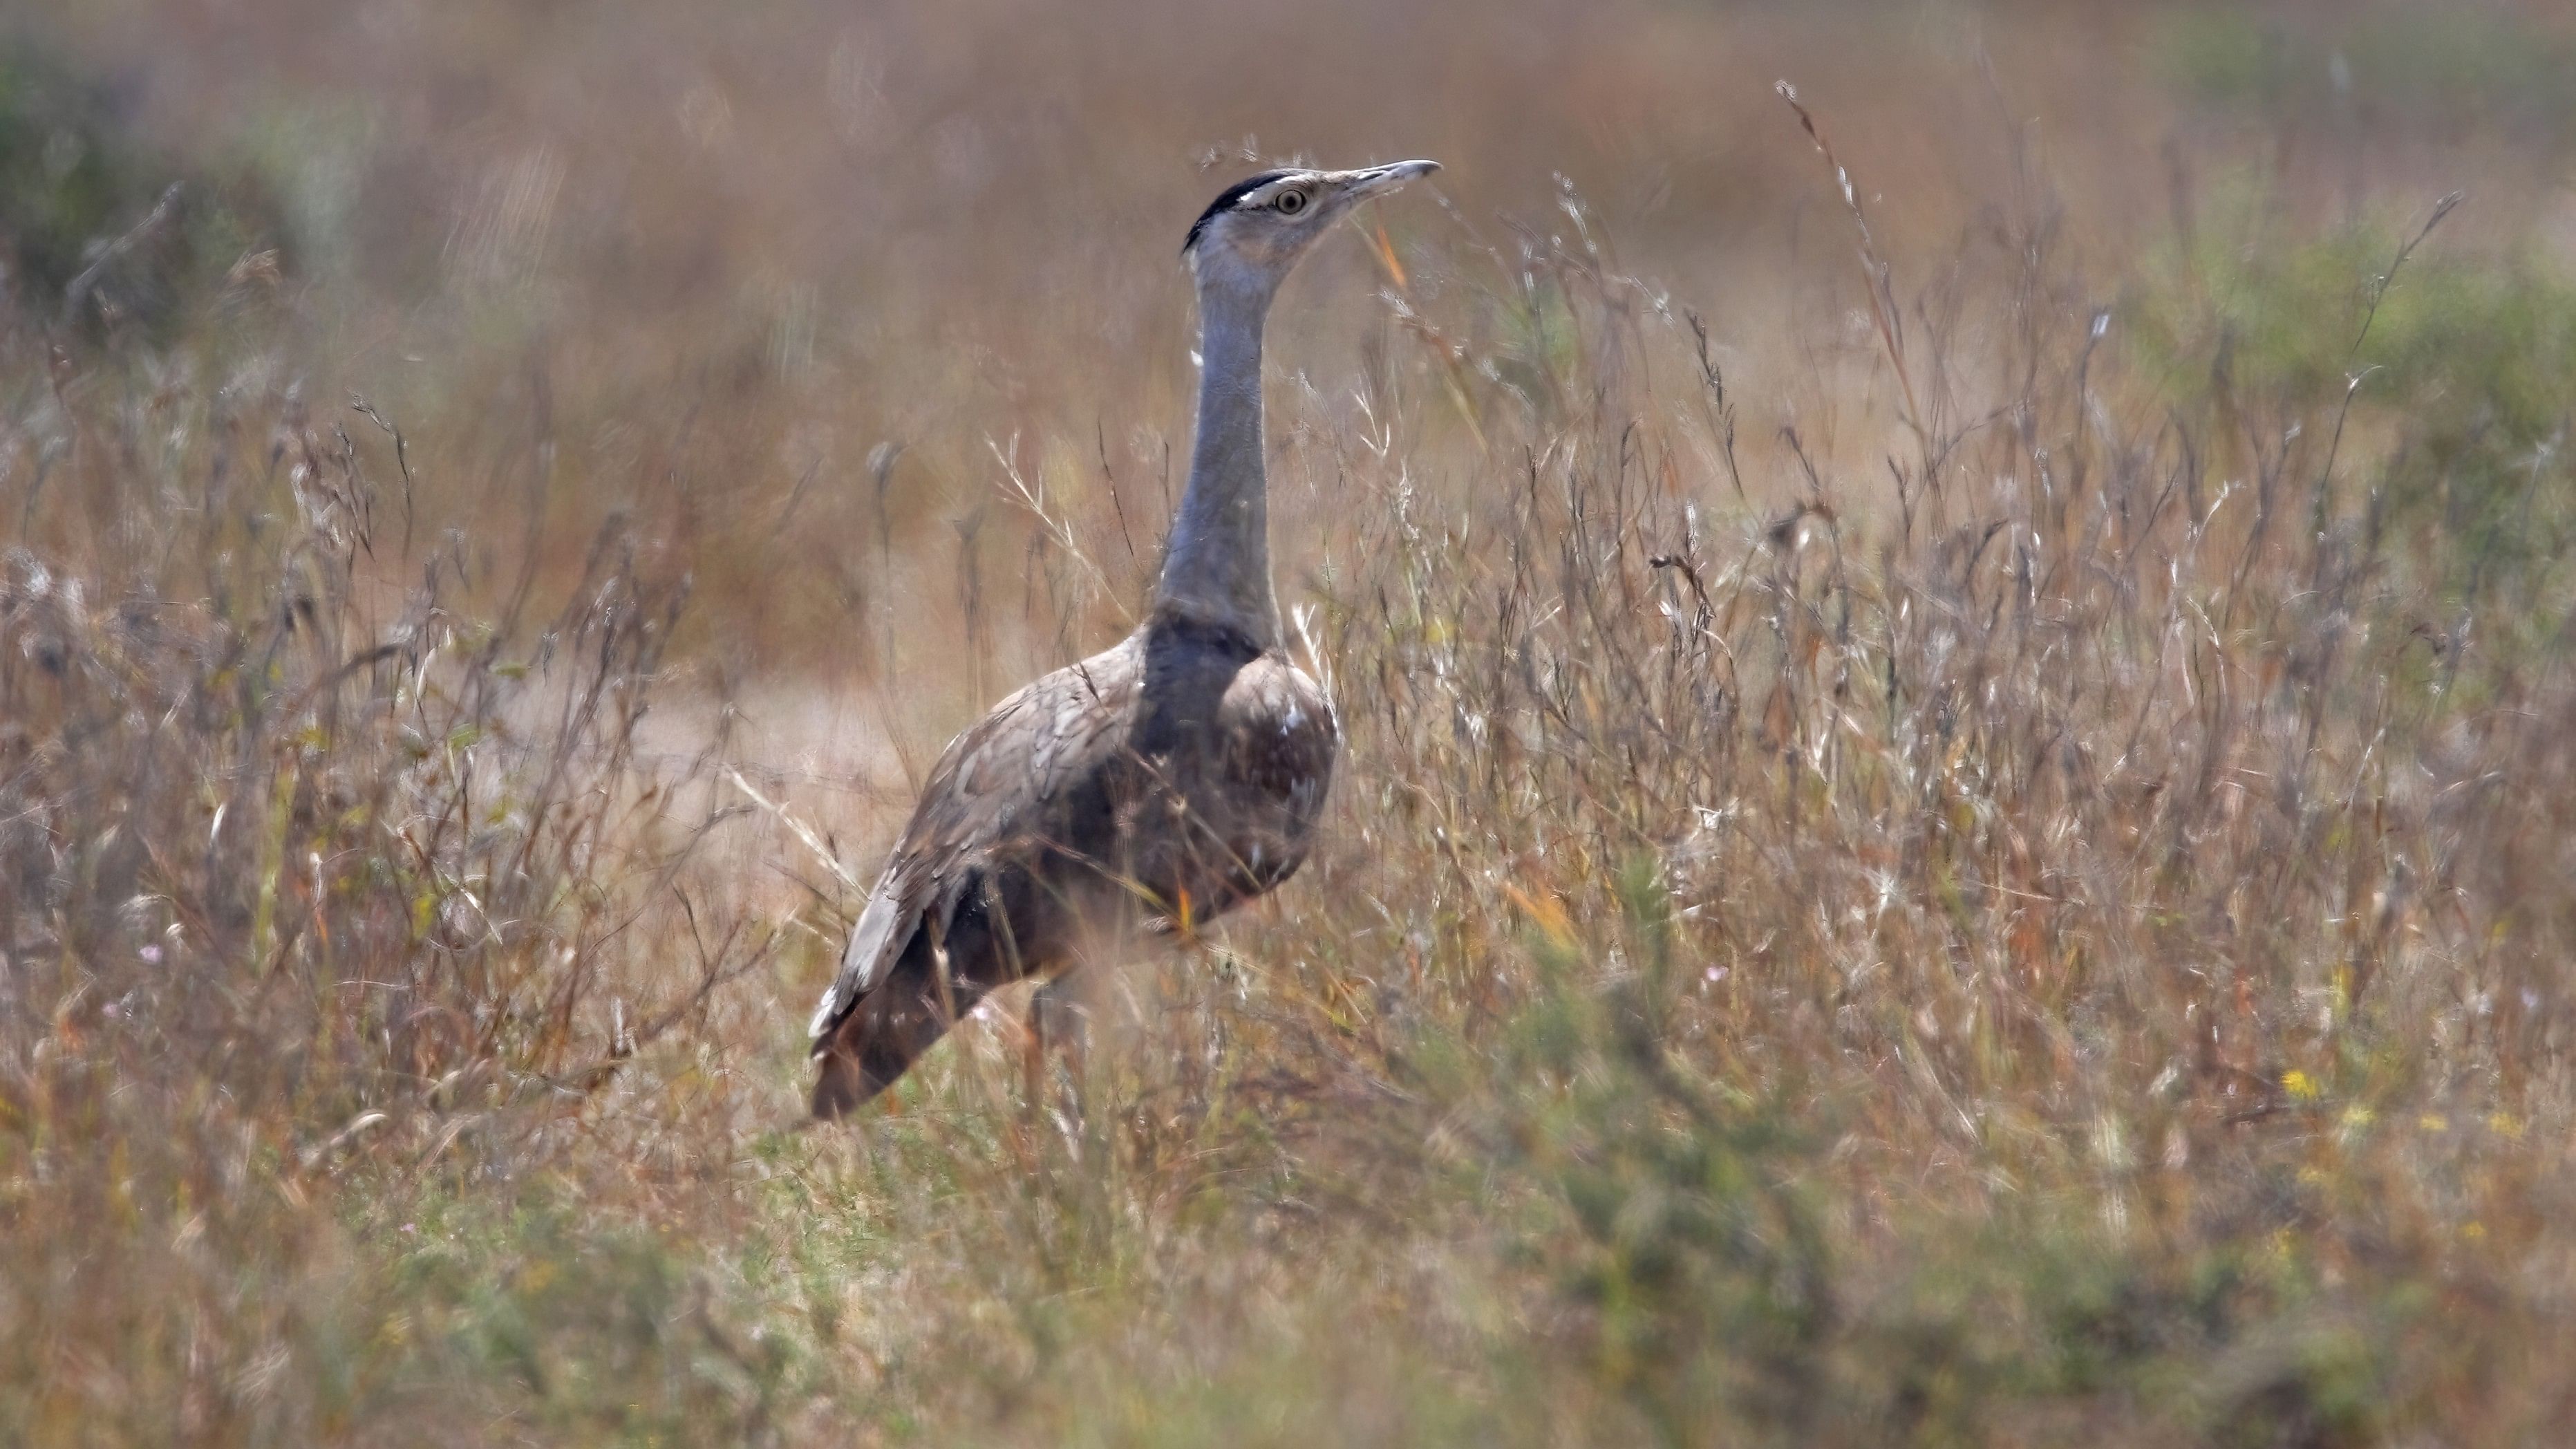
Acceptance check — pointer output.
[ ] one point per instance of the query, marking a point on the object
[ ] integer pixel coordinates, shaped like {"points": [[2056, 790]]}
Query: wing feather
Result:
{"points": [[990, 792]]}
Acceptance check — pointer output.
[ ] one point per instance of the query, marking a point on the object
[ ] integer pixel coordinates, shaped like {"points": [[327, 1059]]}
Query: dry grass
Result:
{"points": [[1960, 830]]}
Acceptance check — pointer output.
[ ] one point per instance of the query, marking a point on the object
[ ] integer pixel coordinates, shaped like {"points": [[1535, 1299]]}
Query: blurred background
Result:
{"points": [[719, 258]]}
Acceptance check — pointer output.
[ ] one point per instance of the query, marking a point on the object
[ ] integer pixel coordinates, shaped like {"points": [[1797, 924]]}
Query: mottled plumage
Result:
{"points": [[1150, 787], [1166, 779]]}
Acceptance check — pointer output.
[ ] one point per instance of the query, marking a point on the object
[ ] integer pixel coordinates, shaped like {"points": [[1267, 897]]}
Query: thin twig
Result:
{"points": [[1882, 296], [2379, 290], [797, 828], [78, 291]]}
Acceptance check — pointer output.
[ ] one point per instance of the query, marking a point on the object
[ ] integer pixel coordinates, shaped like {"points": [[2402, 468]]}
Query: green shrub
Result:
{"points": [[73, 180]]}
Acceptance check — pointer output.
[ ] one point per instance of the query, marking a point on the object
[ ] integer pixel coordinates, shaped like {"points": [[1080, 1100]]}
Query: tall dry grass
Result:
{"points": [[304, 870], [1962, 837]]}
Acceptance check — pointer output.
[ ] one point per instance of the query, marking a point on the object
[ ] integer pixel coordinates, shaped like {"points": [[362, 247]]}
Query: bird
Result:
{"points": [[1144, 790]]}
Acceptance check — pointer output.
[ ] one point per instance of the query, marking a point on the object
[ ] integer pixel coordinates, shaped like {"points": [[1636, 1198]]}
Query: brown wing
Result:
{"points": [[998, 788]]}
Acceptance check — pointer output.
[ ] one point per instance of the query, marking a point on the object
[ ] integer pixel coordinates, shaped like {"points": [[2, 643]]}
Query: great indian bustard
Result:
{"points": [[1161, 782]]}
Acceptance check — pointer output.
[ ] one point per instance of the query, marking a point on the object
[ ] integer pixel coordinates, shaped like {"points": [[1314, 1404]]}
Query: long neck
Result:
{"points": [[1217, 564]]}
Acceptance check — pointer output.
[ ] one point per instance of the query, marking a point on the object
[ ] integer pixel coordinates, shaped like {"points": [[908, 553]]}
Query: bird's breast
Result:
{"points": [[1239, 762]]}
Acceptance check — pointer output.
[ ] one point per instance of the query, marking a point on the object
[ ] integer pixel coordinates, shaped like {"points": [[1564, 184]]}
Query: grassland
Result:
{"points": [[1959, 819]]}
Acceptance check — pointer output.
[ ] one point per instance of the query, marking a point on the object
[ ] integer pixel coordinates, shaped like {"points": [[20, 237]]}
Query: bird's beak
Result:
{"points": [[1371, 181]]}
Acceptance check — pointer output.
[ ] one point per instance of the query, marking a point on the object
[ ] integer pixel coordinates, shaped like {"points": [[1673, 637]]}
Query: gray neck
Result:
{"points": [[1217, 564]]}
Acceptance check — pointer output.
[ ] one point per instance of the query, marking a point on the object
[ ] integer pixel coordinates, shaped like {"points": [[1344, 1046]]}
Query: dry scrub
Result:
{"points": [[2026, 900]]}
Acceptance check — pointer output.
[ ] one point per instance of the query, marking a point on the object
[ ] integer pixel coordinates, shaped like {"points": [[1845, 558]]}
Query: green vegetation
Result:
{"points": [[2460, 369], [73, 181], [2394, 68]]}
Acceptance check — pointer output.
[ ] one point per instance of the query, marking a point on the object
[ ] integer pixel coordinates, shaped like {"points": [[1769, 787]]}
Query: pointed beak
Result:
{"points": [[1371, 181]]}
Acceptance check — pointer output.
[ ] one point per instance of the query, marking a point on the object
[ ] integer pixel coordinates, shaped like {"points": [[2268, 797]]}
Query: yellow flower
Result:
{"points": [[2300, 1085]]}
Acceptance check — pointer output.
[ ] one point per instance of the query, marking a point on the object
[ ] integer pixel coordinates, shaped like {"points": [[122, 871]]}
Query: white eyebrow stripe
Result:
{"points": [[1270, 193]]}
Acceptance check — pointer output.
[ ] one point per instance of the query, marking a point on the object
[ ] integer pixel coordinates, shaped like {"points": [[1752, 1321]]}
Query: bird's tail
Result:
{"points": [[841, 1085], [884, 1032]]}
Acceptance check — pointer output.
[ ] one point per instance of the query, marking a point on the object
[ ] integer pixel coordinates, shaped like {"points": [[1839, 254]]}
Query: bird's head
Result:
{"points": [[1256, 229]]}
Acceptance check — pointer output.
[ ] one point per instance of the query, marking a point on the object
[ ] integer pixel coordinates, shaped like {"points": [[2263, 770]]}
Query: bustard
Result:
{"points": [[1161, 782]]}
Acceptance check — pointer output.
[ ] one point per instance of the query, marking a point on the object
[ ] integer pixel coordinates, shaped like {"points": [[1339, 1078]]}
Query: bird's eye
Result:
{"points": [[1290, 203]]}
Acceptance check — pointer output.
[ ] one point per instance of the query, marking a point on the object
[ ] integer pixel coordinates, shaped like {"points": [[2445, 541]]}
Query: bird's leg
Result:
{"points": [[1058, 1014], [1033, 1055]]}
